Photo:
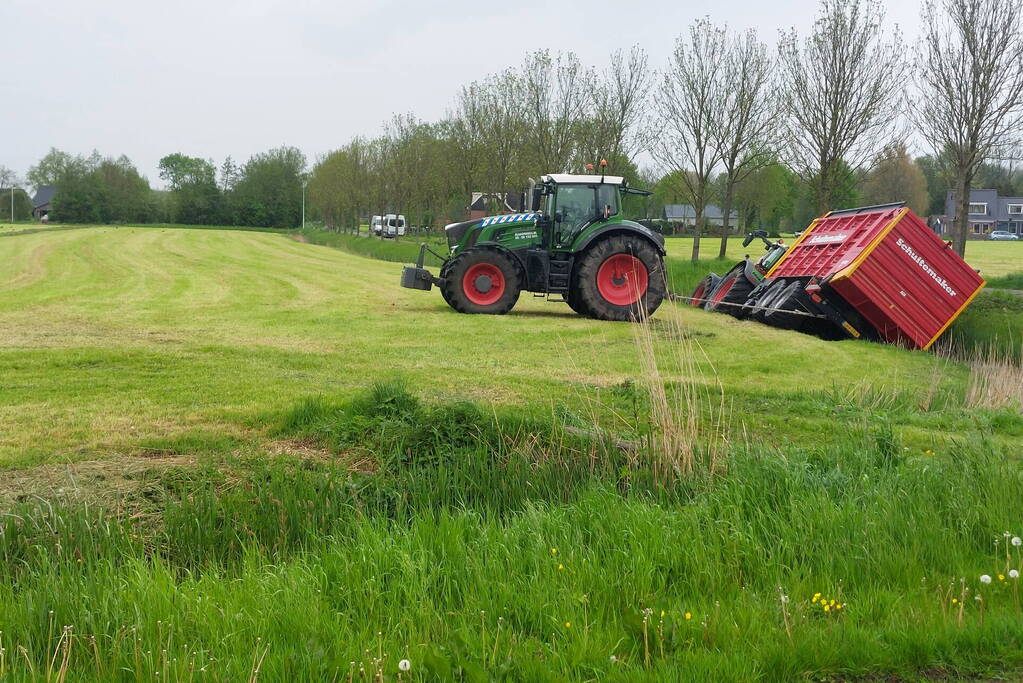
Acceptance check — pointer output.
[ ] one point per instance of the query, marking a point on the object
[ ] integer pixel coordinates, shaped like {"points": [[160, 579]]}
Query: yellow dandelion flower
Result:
{"points": [[832, 603], [1001, 577], [561, 566], [554, 551], [955, 601], [816, 597], [568, 624], [827, 608], [689, 615], [662, 614], [839, 606]]}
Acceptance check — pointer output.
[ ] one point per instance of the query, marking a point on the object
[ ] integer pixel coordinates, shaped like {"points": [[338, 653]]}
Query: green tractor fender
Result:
{"points": [[655, 238]]}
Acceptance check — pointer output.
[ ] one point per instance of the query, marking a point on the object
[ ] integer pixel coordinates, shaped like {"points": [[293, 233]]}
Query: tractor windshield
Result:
{"points": [[580, 204]]}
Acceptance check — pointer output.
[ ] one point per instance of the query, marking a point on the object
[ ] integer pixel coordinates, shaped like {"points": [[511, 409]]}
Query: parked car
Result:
{"points": [[1002, 235], [376, 225], [394, 225]]}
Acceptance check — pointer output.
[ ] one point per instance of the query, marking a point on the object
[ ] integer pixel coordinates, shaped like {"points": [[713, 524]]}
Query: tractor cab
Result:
{"points": [[572, 203]]}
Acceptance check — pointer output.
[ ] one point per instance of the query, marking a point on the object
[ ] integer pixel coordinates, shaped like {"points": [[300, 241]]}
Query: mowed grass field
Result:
{"points": [[232, 455], [115, 336]]}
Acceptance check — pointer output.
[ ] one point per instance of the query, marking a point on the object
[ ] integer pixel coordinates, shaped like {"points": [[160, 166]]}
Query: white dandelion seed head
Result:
{"points": [[1013, 573], [784, 598], [1017, 541], [984, 578], [404, 665], [613, 659]]}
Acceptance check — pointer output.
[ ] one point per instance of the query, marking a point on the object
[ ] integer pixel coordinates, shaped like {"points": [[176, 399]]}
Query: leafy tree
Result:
{"points": [[195, 197], [50, 168], [895, 177], [269, 191], [767, 198], [938, 183]]}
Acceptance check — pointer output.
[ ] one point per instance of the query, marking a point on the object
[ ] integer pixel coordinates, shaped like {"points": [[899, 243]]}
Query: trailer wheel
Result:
{"points": [[732, 291], [783, 309], [621, 277], [481, 281], [766, 300]]}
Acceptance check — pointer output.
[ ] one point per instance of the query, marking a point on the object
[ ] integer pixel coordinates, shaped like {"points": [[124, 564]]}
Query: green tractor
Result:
{"points": [[572, 242]]}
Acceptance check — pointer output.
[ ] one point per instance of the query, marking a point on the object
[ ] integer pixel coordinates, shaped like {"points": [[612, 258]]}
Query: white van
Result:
{"points": [[376, 225], [394, 225]]}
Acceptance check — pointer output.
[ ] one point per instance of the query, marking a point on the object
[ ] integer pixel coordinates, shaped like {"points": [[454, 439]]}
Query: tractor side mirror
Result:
{"points": [[534, 200], [608, 211], [749, 239]]}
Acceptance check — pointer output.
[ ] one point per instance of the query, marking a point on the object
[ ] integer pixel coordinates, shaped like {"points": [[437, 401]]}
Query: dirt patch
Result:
{"points": [[299, 238]]}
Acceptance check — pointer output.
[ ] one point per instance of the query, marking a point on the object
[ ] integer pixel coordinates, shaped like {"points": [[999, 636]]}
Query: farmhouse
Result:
{"points": [[988, 212], [684, 215], [42, 203]]}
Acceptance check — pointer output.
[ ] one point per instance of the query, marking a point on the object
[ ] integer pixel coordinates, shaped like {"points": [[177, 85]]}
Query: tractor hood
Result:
{"points": [[455, 232]]}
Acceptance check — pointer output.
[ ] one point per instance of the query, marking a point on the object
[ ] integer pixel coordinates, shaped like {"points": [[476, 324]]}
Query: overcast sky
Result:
{"points": [[237, 77]]}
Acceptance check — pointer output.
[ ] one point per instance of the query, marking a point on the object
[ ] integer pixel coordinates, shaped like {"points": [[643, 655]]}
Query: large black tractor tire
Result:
{"points": [[785, 309], [481, 281], [731, 292], [621, 277], [576, 304], [703, 290]]}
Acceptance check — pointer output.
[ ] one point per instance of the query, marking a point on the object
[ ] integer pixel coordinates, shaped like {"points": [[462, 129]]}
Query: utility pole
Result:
{"points": [[304, 181]]}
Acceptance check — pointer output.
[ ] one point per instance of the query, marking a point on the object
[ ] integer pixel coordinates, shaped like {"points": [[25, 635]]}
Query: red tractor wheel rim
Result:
{"points": [[723, 290], [622, 279], [483, 284], [697, 298]]}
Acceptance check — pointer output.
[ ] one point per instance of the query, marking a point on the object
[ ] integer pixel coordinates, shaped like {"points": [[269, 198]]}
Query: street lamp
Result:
{"points": [[305, 181]]}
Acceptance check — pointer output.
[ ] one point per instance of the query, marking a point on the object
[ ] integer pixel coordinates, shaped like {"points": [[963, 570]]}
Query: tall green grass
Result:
{"points": [[991, 324], [489, 546]]}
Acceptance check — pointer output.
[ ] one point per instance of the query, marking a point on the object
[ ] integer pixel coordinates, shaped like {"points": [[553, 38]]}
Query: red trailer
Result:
{"points": [[884, 273], [877, 272]]}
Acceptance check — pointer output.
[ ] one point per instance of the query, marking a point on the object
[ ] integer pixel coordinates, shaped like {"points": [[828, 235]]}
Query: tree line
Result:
{"points": [[776, 134], [264, 192]]}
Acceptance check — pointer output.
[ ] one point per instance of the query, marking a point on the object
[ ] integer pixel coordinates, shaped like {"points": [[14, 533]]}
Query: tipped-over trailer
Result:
{"points": [[876, 272]]}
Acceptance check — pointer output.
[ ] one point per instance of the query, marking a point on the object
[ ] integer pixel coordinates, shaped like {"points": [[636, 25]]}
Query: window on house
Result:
{"points": [[976, 228], [1016, 227], [1016, 209], [978, 207]]}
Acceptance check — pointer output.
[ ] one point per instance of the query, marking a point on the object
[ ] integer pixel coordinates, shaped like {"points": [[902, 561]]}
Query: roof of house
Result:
{"points": [[511, 200], [44, 195], [677, 212]]}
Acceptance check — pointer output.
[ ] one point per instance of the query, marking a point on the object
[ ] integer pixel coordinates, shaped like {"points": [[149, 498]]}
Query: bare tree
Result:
{"points": [[689, 105], [555, 100], [618, 100], [841, 92], [970, 69], [8, 178], [748, 127]]}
